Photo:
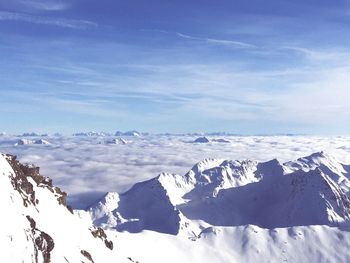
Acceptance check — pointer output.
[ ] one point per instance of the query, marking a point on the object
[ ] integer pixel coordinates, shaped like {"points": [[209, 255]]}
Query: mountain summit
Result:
{"points": [[37, 224], [308, 191]]}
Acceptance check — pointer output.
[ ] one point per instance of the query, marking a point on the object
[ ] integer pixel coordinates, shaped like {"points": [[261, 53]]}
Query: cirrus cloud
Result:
{"points": [[52, 21]]}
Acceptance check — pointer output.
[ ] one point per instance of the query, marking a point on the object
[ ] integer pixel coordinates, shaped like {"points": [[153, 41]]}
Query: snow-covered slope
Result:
{"points": [[146, 206], [219, 211], [251, 244], [152, 204], [232, 193], [38, 226], [235, 211], [337, 171], [298, 199]]}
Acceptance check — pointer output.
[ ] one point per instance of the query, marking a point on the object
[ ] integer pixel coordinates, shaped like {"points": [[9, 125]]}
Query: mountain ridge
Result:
{"points": [[40, 224], [207, 184]]}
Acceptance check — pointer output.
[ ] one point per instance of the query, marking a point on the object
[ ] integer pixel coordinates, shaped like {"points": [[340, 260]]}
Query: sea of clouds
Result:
{"points": [[87, 167]]}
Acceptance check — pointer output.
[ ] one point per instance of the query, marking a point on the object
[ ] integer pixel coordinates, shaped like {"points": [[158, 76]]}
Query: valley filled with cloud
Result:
{"points": [[87, 167]]}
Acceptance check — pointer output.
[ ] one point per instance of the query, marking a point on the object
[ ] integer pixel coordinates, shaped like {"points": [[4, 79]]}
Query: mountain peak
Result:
{"points": [[40, 224], [201, 140]]}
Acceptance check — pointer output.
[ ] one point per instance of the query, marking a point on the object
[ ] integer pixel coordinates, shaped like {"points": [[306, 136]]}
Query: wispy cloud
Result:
{"points": [[60, 22], [317, 56], [214, 41], [224, 42], [47, 5]]}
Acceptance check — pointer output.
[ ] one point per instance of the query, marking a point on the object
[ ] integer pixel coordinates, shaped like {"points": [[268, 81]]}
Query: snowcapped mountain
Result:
{"points": [[117, 141], [206, 140], [232, 193], [298, 199], [38, 226], [91, 134], [30, 134], [201, 140], [236, 211], [146, 206], [337, 171], [153, 204], [219, 211], [28, 142], [128, 133]]}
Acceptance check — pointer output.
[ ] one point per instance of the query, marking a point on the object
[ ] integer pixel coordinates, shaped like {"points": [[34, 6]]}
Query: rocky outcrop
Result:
{"points": [[23, 178], [98, 232], [43, 243], [87, 255], [201, 140], [36, 226]]}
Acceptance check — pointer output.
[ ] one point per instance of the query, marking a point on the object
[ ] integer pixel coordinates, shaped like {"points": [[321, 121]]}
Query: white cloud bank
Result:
{"points": [[82, 166]]}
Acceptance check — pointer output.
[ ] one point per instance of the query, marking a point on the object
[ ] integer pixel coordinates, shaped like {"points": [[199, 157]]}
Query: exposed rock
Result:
{"points": [[44, 232], [132, 260], [29, 134], [87, 255], [21, 183], [42, 242], [100, 233], [201, 140], [221, 140]]}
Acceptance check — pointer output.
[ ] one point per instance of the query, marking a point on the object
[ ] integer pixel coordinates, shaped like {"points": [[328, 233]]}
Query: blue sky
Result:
{"points": [[247, 67]]}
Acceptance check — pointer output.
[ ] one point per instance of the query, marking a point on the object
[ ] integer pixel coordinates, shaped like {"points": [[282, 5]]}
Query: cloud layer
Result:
{"points": [[85, 169]]}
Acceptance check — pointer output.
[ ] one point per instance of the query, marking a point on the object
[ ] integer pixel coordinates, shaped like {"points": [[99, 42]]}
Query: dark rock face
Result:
{"points": [[201, 140], [42, 242], [100, 233], [131, 260], [21, 184], [87, 255], [24, 179]]}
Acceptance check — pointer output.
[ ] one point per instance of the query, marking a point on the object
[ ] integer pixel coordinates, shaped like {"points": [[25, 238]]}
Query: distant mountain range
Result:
{"points": [[137, 133]]}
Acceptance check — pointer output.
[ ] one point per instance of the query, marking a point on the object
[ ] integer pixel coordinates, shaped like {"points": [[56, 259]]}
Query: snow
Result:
{"points": [[117, 141], [87, 169], [91, 134], [235, 211], [69, 233], [28, 142], [128, 133], [298, 197], [41, 141], [265, 206], [242, 244]]}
